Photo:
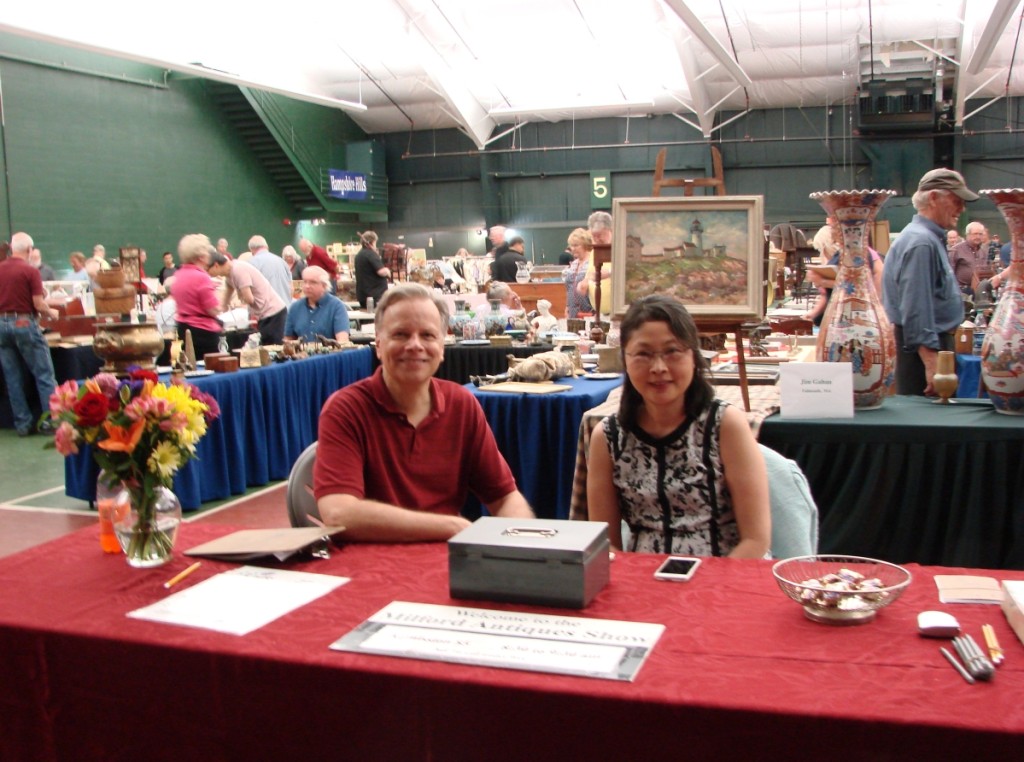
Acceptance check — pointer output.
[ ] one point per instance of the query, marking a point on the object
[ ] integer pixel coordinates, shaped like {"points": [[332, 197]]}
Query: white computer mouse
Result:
{"points": [[937, 624]]}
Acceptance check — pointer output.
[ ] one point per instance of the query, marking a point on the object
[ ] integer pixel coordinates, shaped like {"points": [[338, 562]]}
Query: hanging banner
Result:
{"points": [[347, 185]]}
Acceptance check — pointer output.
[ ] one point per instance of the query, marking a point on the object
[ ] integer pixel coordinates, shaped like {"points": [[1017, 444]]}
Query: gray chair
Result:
{"points": [[794, 513], [301, 503]]}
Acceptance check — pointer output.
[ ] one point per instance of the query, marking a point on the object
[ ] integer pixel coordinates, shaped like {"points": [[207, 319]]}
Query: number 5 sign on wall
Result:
{"points": [[601, 190]]}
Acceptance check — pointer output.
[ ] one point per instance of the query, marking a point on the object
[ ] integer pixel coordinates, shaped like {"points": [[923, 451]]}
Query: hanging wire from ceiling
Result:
{"points": [[1009, 69], [593, 36], [732, 44], [871, 39]]}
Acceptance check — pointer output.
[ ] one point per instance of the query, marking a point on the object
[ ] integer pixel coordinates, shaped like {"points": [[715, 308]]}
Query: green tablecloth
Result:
{"points": [[915, 481]]}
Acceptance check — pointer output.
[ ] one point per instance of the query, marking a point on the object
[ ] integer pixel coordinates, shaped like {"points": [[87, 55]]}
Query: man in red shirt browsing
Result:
{"points": [[317, 255], [21, 299]]}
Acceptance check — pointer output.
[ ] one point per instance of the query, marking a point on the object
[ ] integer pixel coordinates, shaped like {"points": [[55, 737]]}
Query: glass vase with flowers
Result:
{"points": [[140, 432]]}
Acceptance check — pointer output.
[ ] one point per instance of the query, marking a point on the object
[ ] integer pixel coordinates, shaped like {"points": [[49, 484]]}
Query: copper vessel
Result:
{"points": [[122, 345]]}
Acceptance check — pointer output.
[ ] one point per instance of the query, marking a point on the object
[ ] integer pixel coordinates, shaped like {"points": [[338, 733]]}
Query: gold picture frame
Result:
{"points": [[706, 251]]}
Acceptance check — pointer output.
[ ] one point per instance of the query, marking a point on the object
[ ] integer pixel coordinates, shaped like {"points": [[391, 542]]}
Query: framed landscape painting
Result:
{"points": [[706, 251]]}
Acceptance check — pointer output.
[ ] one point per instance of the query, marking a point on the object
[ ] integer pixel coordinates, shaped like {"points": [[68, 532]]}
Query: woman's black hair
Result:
{"points": [[670, 311]]}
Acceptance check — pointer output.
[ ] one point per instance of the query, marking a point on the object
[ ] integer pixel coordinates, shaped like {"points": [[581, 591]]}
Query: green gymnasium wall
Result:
{"points": [[90, 159]]}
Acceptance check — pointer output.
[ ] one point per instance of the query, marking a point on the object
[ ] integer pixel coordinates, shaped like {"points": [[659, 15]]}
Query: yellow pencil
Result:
{"points": [[181, 575], [994, 649]]}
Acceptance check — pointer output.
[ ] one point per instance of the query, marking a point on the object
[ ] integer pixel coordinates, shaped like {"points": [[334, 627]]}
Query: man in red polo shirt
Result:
{"points": [[21, 299], [317, 255], [399, 451]]}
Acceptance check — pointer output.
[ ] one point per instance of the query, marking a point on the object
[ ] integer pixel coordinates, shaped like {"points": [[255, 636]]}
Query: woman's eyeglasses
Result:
{"points": [[671, 356]]}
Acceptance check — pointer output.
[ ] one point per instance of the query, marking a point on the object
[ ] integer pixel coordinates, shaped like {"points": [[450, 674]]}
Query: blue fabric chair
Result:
{"points": [[794, 513], [299, 495]]}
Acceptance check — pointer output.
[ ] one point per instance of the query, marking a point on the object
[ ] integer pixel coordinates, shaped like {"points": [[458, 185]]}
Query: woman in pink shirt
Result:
{"points": [[196, 295]]}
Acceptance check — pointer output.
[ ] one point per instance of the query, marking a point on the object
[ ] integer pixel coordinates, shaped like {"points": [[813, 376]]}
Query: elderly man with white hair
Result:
{"points": [[318, 312], [35, 258], [272, 266], [21, 299], [969, 258], [919, 289]]}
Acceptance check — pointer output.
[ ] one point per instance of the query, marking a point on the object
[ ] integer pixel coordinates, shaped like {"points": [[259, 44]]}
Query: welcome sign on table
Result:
{"points": [[816, 390]]}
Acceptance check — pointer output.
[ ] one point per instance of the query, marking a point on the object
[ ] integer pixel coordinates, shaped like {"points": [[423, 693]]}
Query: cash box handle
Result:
{"points": [[530, 532]]}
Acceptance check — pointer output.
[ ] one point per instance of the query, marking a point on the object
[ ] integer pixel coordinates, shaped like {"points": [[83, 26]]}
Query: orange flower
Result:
{"points": [[121, 439]]}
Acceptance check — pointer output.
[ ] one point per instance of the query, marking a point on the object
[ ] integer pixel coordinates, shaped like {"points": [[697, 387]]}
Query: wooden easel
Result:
{"points": [[713, 325], [716, 181]]}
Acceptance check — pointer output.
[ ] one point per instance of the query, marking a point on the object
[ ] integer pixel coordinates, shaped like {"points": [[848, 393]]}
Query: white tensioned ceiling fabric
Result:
{"points": [[485, 65]]}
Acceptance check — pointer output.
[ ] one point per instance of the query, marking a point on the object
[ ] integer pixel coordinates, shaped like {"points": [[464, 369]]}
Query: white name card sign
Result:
{"points": [[816, 390]]}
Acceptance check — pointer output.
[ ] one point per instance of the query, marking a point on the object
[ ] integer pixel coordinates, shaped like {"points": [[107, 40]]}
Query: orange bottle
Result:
{"points": [[108, 540]]}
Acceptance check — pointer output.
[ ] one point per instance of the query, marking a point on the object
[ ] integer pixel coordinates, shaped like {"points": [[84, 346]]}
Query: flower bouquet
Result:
{"points": [[141, 432]]}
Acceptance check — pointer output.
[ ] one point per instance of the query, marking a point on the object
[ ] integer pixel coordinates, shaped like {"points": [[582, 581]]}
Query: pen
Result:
{"points": [[957, 666], [994, 649], [181, 575]]}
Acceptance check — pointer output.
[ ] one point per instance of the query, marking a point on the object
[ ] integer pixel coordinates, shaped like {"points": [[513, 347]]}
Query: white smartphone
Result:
{"points": [[677, 569]]}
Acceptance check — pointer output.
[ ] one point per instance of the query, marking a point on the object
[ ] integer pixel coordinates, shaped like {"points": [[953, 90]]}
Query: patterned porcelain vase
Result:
{"points": [[855, 328], [1002, 353]]}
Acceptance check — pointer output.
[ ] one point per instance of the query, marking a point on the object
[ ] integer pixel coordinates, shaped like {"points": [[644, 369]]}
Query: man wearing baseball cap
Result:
{"points": [[919, 288]]}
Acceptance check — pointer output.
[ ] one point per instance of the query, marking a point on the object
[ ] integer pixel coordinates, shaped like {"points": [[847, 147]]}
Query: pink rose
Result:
{"points": [[66, 439]]}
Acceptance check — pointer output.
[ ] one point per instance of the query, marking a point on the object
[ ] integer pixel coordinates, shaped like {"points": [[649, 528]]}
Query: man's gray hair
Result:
{"points": [[599, 221], [403, 292], [318, 273], [922, 199], [22, 243], [499, 291], [257, 242]]}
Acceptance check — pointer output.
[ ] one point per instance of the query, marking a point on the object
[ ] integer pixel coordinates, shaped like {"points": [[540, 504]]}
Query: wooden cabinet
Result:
{"points": [[529, 293]]}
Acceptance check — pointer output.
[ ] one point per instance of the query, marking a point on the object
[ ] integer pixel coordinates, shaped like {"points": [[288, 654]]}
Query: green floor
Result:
{"points": [[32, 476]]}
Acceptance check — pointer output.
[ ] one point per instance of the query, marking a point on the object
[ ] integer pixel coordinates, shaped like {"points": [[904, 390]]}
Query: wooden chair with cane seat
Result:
{"points": [[716, 181]]}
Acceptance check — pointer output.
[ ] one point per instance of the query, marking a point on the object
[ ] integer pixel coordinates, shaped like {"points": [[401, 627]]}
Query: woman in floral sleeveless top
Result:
{"points": [[681, 468]]}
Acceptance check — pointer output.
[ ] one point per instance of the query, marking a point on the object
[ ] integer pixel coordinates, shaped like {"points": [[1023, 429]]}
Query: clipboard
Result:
{"points": [[255, 544]]}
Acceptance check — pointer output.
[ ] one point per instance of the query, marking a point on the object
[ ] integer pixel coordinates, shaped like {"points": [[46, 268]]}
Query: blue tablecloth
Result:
{"points": [[537, 434], [968, 370], [268, 417]]}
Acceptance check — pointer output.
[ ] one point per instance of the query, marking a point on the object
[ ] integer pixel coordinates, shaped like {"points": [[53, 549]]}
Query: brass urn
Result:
{"points": [[122, 345]]}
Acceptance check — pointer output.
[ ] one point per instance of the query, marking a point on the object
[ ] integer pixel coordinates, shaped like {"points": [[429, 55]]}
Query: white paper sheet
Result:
{"points": [[816, 390], [566, 645], [239, 601]]}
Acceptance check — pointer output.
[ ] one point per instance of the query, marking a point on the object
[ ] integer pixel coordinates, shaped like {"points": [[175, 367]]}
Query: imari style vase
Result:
{"points": [[855, 328], [1002, 353]]}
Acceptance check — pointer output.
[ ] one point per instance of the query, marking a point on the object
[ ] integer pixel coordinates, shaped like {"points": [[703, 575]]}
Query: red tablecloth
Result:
{"points": [[738, 672]]}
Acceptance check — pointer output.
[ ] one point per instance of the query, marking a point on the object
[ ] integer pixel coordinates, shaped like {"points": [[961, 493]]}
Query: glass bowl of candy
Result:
{"points": [[840, 589]]}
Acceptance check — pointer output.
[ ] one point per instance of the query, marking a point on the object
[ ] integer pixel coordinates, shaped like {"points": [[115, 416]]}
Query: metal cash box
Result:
{"points": [[541, 561]]}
